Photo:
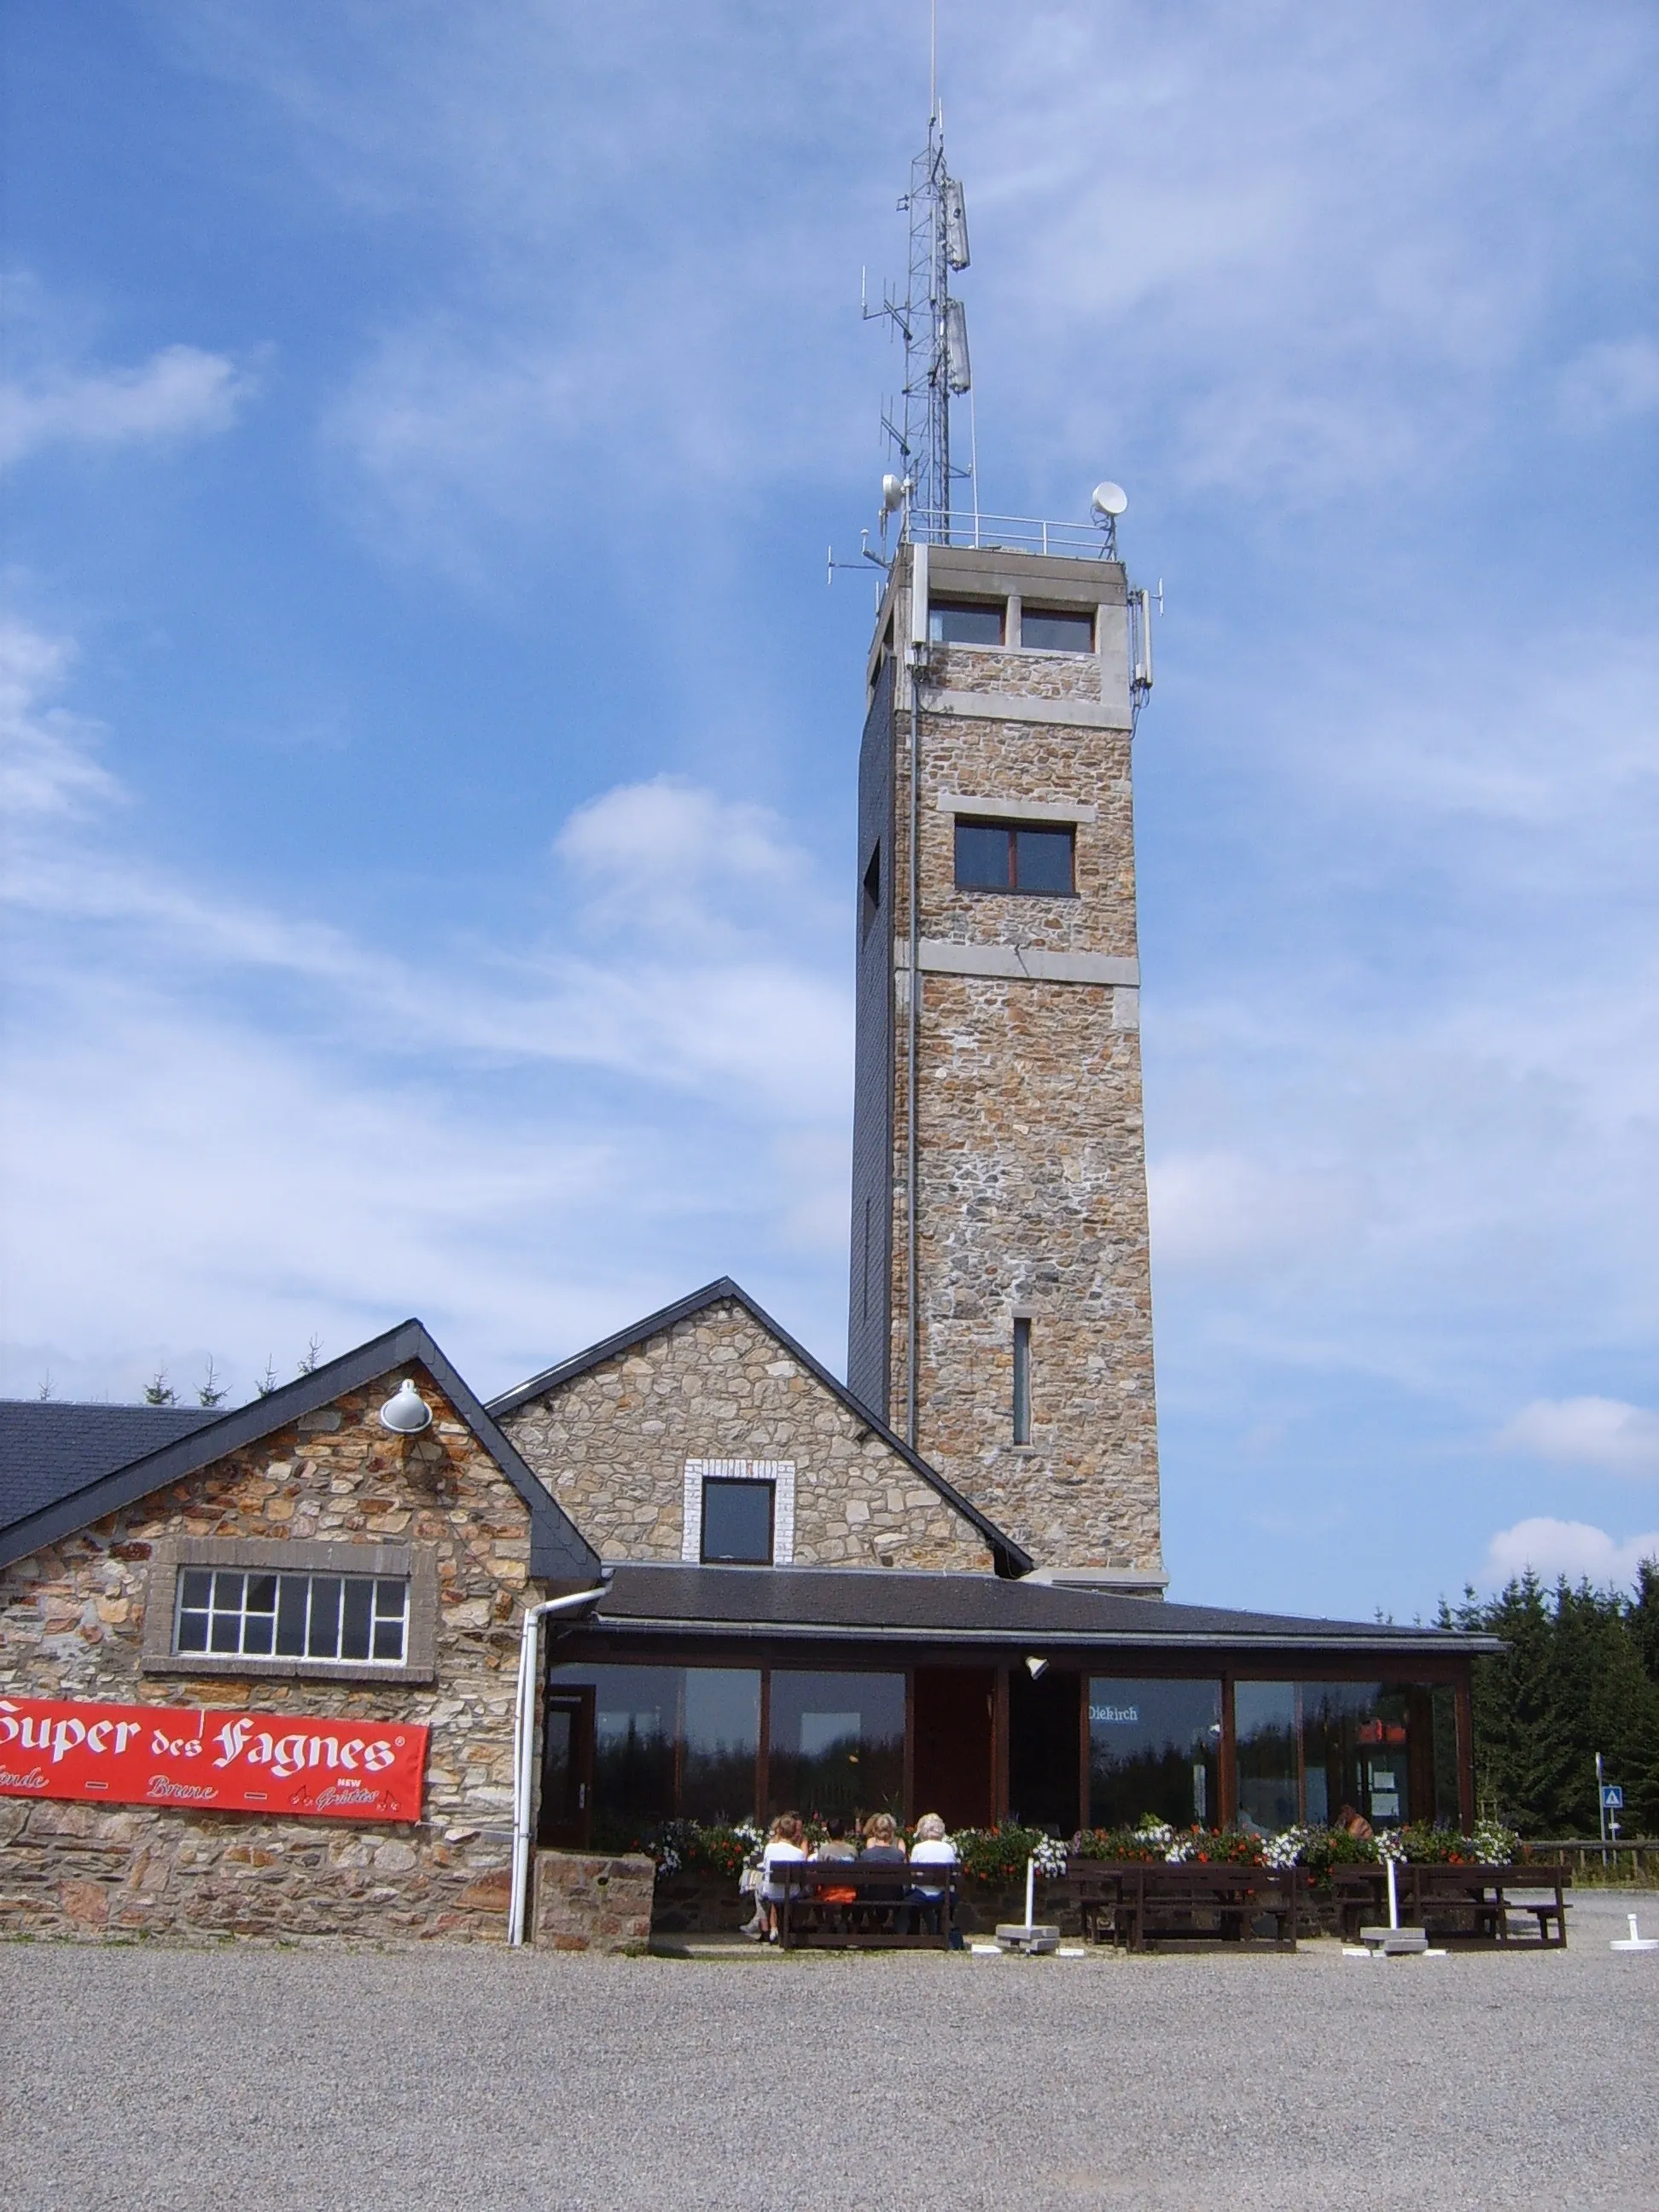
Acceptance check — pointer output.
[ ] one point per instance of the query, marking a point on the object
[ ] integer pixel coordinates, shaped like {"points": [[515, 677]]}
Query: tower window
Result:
{"points": [[1050, 630], [963, 622], [736, 1523], [1009, 856], [871, 906], [1022, 1381]]}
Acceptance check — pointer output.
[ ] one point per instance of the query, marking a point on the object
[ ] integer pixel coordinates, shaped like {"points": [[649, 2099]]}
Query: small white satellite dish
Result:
{"points": [[893, 494], [1109, 499]]}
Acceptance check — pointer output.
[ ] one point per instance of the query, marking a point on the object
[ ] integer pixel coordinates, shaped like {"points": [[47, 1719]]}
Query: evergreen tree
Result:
{"points": [[1580, 1675]]}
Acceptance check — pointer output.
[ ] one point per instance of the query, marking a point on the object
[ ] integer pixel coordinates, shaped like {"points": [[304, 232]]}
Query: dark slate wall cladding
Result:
{"points": [[869, 1305]]}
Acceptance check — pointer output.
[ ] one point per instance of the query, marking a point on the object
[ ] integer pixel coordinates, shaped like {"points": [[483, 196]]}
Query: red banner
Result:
{"points": [[212, 1761]]}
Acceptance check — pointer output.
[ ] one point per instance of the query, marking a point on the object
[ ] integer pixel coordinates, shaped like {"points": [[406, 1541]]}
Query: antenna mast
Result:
{"points": [[934, 328]]}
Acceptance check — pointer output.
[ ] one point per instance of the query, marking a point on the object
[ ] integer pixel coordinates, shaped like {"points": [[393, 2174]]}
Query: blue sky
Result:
{"points": [[430, 747]]}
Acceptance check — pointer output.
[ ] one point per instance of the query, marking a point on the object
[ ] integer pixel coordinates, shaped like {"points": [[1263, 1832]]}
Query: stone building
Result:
{"points": [[162, 1590], [998, 972], [710, 1402], [369, 1658]]}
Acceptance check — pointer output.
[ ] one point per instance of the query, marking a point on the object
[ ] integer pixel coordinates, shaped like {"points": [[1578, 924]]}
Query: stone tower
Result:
{"points": [[997, 986]]}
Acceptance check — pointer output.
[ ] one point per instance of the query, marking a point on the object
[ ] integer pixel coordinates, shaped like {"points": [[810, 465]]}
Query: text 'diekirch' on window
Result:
{"points": [[231, 1614]]}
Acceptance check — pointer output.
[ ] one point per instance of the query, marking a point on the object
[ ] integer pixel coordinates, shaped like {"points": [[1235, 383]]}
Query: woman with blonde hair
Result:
{"points": [[881, 1842]]}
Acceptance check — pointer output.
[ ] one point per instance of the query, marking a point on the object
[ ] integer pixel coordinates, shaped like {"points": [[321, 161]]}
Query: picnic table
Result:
{"points": [[884, 1914], [1137, 1904], [1473, 1902]]}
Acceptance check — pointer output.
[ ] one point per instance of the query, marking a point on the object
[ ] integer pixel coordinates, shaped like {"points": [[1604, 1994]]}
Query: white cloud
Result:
{"points": [[1572, 1549], [1602, 1433], [527, 1147], [1613, 382], [180, 392], [45, 766], [668, 859], [1216, 1210]]}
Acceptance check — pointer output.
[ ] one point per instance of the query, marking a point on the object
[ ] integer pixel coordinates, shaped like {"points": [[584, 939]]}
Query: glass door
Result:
{"points": [[566, 1770]]}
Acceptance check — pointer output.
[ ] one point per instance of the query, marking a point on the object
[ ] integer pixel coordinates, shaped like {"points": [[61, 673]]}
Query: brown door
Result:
{"points": [[952, 1753], [566, 1770]]}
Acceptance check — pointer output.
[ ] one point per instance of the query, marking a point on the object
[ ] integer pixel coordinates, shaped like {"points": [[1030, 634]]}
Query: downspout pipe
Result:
{"points": [[524, 1741], [913, 900]]}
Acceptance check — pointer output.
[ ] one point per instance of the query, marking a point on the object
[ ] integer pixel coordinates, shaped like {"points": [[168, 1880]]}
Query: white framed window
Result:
{"points": [[702, 1474], [227, 1612], [307, 1607]]}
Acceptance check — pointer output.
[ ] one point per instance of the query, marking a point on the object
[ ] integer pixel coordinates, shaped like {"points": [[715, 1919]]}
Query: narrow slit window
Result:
{"points": [[870, 907], [1022, 1381]]}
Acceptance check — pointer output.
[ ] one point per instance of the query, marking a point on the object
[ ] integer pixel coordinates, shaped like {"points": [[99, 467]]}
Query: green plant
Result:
{"points": [[999, 1855], [1136, 1845]]}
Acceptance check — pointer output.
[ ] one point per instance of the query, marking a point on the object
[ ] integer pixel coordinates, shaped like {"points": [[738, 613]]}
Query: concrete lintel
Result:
{"points": [[1018, 810], [1027, 963], [1000, 706]]}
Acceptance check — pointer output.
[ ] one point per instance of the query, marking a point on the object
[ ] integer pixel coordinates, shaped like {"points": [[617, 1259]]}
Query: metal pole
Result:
{"points": [[918, 649], [1600, 1806]]}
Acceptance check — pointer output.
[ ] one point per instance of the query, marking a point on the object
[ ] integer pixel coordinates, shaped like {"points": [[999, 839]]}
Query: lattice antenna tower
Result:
{"points": [[934, 326]]}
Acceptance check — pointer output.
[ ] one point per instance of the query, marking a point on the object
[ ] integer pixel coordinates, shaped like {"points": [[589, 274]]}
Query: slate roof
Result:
{"points": [[885, 1603], [50, 1448], [1009, 1558], [49, 1510]]}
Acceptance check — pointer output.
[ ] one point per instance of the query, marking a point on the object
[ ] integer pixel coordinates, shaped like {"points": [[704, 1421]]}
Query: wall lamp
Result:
{"points": [[1036, 1668], [406, 1413]]}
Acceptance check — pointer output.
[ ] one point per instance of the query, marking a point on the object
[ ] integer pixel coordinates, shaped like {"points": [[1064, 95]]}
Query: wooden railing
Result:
{"points": [[1633, 1865]]}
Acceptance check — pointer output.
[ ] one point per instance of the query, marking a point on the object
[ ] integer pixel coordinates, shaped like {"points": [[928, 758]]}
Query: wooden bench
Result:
{"points": [[1137, 1904], [887, 1913], [1472, 1902]]}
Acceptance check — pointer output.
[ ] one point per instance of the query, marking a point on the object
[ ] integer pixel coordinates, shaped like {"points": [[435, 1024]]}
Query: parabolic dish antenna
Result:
{"points": [[1109, 499]]}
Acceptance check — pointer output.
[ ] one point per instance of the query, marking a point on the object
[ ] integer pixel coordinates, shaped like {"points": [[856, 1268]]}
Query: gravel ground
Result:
{"points": [[318, 2080]]}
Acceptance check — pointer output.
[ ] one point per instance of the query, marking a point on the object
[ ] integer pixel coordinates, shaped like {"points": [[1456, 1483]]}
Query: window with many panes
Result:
{"points": [[229, 1613], [1016, 856]]}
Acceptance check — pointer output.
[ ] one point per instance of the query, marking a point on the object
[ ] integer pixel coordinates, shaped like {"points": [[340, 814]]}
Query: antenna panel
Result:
{"points": [[958, 369], [955, 225]]}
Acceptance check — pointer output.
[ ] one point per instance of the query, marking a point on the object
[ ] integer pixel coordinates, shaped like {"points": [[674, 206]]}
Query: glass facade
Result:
{"points": [[1154, 1747], [686, 1742], [837, 1744], [1265, 1732], [1321, 1752], [670, 1742]]}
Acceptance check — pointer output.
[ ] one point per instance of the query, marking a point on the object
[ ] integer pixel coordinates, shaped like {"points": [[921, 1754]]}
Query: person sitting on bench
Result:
{"points": [[785, 1841], [836, 1846], [932, 1847], [881, 1842]]}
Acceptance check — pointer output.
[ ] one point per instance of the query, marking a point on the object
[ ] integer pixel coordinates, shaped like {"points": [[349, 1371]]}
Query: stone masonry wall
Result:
{"points": [[612, 1444], [1031, 1173], [586, 1904], [72, 1621]]}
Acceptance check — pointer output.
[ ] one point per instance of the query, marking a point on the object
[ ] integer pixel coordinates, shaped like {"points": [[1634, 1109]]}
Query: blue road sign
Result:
{"points": [[1613, 1797]]}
